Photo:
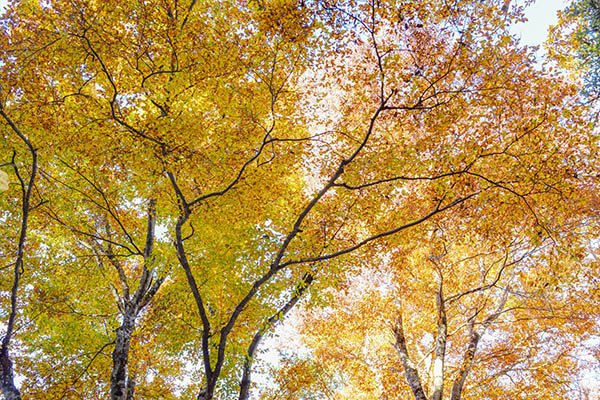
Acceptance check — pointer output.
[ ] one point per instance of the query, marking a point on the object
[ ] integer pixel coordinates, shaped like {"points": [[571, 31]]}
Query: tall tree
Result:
{"points": [[587, 14], [26, 176], [447, 321], [575, 43]]}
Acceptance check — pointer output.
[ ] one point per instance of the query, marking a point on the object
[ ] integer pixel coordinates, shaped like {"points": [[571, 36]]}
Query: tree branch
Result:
{"points": [[301, 288]]}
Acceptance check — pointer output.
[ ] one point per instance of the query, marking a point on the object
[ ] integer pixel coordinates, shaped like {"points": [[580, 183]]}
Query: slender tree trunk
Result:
{"points": [[440, 348], [474, 338], [410, 372], [122, 385], [467, 363], [306, 281], [7, 381], [205, 392]]}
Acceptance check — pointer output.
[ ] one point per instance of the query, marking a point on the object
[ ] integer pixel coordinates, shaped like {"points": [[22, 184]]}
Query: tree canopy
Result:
{"points": [[400, 177], [576, 42], [588, 40]]}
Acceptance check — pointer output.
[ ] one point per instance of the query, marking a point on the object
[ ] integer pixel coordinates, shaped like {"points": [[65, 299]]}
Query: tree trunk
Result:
{"points": [[474, 339], [9, 390], [203, 395], [467, 363], [120, 386], [440, 348], [7, 380], [410, 372], [306, 281]]}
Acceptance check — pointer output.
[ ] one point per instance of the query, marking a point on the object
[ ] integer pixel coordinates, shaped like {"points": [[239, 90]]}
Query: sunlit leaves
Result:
{"points": [[379, 146]]}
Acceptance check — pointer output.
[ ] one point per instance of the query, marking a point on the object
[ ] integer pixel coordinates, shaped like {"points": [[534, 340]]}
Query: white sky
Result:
{"points": [[540, 16]]}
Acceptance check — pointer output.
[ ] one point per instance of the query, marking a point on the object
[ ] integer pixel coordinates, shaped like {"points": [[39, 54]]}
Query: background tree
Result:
{"points": [[587, 13], [440, 320], [576, 43]]}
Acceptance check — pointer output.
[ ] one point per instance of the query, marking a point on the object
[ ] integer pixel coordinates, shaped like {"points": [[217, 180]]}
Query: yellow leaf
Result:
{"points": [[3, 181]]}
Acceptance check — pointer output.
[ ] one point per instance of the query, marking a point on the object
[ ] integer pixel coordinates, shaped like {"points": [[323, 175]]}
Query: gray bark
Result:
{"points": [[467, 363], [119, 384], [440, 348], [7, 385], [410, 372]]}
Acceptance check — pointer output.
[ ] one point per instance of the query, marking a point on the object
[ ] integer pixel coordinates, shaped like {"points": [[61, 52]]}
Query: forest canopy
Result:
{"points": [[281, 199]]}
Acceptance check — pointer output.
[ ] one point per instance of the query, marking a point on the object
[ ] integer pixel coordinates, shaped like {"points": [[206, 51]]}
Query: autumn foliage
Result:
{"points": [[399, 181]]}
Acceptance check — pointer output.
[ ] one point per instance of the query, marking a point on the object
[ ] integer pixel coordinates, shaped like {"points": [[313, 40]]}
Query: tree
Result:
{"points": [[440, 320], [203, 165], [26, 181], [588, 13], [577, 43]]}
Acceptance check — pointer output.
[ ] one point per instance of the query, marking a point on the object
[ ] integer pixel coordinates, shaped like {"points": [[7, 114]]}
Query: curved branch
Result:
{"points": [[113, 99], [401, 178], [266, 140], [380, 235]]}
